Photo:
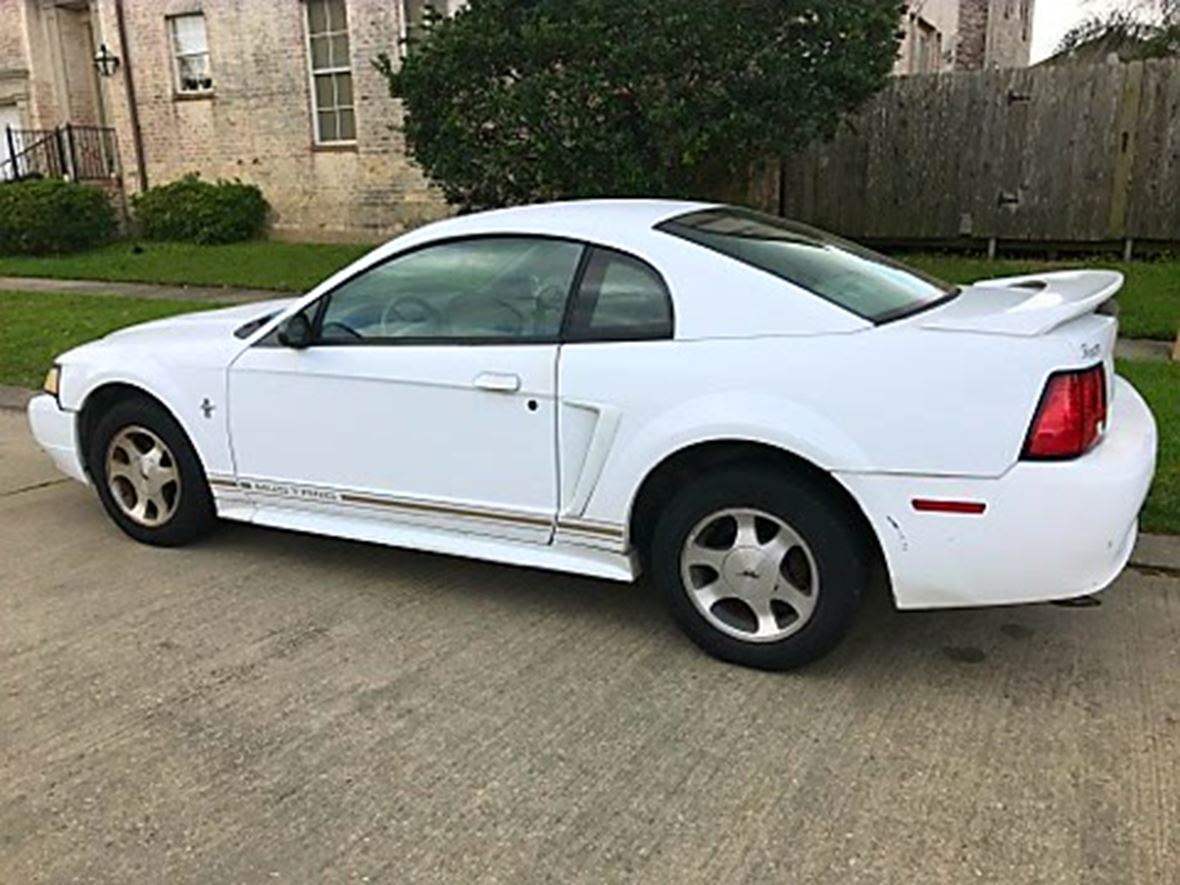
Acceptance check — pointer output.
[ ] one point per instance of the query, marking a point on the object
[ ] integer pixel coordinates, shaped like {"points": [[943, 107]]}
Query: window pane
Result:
{"points": [[415, 13], [621, 297], [336, 15], [343, 90], [503, 287], [339, 52], [857, 279], [317, 16], [346, 120], [320, 49], [324, 98], [327, 126], [193, 71], [188, 33]]}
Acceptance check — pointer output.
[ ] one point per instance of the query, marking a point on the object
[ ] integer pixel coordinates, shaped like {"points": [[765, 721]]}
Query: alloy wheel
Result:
{"points": [[142, 476], [750, 574]]}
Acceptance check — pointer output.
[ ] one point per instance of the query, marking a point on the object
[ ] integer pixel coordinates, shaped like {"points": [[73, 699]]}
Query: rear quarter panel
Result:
{"points": [[892, 399]]}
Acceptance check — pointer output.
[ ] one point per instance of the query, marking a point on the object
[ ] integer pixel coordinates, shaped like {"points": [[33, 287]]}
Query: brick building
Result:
{"points": [[283, 93], [965, 35]]}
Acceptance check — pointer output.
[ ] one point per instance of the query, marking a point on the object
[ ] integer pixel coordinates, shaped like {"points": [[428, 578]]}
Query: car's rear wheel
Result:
{"points": [[760, 568], [148, 476]]}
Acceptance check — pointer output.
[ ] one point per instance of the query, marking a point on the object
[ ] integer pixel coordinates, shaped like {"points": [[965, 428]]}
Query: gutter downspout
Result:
{"points": [[132, 104]]}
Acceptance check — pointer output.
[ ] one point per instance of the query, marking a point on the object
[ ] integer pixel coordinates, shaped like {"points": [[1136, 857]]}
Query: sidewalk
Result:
{"points": [[212, 294]]}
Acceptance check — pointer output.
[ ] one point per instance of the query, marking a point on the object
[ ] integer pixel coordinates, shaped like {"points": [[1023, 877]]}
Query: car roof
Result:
{"points": [[619, 219]]}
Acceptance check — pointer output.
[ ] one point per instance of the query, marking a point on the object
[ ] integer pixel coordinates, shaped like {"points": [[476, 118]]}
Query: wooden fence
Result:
{"points": [[1053, 155]]}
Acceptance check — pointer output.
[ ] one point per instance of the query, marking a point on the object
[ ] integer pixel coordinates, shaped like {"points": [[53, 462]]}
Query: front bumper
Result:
{"points": [[55, 430], [1051, 530]]}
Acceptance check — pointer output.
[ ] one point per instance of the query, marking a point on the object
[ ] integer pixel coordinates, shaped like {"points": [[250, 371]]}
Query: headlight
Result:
{"points": [[52, 380]]}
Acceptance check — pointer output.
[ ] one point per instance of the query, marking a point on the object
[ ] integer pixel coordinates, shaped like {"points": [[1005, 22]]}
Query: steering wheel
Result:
{"points": [[549, 299], [481, 310], [393, 311]]}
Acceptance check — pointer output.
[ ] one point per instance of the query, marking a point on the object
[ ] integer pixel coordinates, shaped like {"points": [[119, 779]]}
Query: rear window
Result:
{"points": [[859, 280]]}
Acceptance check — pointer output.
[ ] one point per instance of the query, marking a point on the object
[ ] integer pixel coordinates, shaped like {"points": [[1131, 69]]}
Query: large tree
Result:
{"points": [[513, 101], [1131, 30]]}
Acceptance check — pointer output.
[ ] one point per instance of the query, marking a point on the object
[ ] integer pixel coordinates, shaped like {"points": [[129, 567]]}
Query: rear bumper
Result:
{"points": [[55, 431], [1050, 530]]}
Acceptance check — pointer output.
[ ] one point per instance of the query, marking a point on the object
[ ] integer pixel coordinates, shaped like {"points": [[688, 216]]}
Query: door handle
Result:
{"points": [[498, 382]]}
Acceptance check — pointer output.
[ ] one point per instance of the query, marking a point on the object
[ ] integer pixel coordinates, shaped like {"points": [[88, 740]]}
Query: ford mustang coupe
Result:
{"points": [[761, 416]]}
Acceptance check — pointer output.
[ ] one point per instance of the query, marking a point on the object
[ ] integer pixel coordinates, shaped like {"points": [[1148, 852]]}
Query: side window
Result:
{"points": [[331, 71], [190, 53], [490, 288], [621, 299]]}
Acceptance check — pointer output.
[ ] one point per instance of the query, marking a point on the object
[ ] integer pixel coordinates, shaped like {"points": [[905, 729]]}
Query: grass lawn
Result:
{"points": [[1150, 301], [36, 327], [259, 264], [1160, 385]]}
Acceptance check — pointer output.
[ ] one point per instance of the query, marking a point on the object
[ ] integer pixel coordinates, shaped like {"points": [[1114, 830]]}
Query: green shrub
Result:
{"points": [[513, 101], [195, 211], [39, 216]]}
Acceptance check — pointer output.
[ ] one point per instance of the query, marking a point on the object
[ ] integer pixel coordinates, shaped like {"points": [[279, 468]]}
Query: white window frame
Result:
{"points": [[176, 55], [313, 71]]}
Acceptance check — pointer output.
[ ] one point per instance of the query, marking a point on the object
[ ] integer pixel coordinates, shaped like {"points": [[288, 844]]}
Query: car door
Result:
{"points": [[426, 395]]}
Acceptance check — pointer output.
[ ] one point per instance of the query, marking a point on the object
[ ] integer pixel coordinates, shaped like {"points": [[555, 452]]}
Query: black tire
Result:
{"points": [[843, 560], [194, 515]]}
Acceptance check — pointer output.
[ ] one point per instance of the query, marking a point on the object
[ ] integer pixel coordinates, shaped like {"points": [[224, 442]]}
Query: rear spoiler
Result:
{"points": [[1029, 305]]}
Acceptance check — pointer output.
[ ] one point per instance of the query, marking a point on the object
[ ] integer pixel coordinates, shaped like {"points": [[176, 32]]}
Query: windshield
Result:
{"points": [[857, 279]]}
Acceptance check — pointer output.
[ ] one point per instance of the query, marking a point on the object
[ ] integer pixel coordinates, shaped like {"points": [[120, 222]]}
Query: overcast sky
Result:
{"points": [[1052, 18]]}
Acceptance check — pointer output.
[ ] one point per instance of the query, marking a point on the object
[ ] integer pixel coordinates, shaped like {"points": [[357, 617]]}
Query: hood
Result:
{"points": [[1025, 306], [203, 324]]}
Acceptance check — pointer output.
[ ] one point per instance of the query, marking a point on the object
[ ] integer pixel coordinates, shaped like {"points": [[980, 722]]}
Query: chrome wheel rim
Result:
{"points": [[142, 476], [750, 574]]}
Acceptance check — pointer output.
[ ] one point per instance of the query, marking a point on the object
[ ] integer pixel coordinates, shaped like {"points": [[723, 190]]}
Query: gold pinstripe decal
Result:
{"points": [[334, 496]]}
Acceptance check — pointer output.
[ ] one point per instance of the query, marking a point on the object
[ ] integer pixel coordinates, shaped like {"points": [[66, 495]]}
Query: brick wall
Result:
{"points": [[257, 124], [972, 48], [943, 16], [994, 34], [1009, 33]]}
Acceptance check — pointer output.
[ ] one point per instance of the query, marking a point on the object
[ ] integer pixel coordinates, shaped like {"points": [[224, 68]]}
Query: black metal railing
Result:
{"points": [[78, 153]]}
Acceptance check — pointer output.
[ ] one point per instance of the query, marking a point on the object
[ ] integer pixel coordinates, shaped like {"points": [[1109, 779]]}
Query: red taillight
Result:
{"points": [[1071, 416]]}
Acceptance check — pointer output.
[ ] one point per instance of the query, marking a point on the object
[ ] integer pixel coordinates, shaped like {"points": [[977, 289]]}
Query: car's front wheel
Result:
{"points": [[148, 476], [760, 568]]}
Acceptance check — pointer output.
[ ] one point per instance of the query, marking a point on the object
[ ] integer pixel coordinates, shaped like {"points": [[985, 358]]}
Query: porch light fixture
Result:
{"points": [[106, 62]]}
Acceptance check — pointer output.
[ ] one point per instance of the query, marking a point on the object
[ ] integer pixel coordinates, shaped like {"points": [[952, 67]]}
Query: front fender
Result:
{"points": [[183, 393]]}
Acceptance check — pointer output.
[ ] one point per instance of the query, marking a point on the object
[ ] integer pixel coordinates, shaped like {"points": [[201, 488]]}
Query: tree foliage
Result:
{"points": [[514, 101], [1134, 30]]}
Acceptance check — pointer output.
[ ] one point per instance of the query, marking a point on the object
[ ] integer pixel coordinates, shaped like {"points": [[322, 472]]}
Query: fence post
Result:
{"points": [[1129, 98], [11, 151], [71, 151]]}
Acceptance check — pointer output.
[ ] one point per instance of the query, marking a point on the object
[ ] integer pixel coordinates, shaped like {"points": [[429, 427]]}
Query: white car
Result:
{"points": [[758, 414]]}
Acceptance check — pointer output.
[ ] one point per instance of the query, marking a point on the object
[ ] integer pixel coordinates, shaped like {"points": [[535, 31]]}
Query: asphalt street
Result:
{"points": [[275, 707]]}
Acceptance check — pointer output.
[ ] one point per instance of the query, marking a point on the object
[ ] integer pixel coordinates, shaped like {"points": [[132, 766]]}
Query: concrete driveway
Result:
{"points": [[271, 707]]}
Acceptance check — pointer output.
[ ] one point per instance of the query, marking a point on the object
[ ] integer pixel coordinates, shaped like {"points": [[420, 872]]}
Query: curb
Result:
{"points": [[15, 398], [1157, 552], [1144, 350], [1151, 551]]}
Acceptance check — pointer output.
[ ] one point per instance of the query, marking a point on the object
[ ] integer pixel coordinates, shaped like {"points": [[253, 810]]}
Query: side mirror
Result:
{"points": [[295, 332]]}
